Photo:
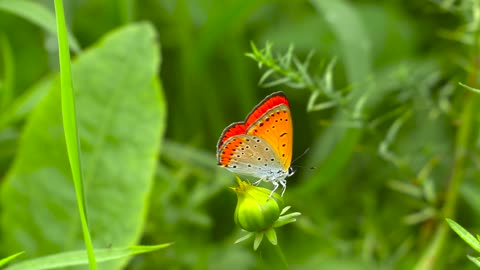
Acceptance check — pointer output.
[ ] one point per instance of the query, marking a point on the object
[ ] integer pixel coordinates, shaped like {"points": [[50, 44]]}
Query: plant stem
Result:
{"points": [[273, 256], [462, 144], [280, 255], [432, 253], [8, 72]]}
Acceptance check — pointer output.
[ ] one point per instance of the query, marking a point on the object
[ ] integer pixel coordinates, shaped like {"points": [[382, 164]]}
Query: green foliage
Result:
{"points": [[465, 235], [69, 117], [383, 93], [7, 86], [468, 238], [6, 260], [38, 15], [74, 258], [113, 105]]}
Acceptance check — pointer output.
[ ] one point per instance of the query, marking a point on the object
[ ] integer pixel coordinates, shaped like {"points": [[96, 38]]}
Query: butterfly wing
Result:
{"points": [[275, 127], [270, 122], [250, 155], [233, 129]]}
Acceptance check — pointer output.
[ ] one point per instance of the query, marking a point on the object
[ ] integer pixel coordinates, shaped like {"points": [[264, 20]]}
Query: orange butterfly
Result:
{"points": [[261, 146]]}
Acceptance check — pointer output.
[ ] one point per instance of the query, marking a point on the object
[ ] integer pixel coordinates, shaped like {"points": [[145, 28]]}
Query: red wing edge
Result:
{"points": [[265, 105], [233, 129]]}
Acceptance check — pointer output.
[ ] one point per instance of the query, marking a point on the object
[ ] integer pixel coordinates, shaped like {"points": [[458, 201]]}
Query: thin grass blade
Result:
{"points": [[70, 127], [10, 258]]}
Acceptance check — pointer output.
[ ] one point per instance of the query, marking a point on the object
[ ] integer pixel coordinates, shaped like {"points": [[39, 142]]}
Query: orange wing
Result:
{"points": [[275, 127], [270, 120]]}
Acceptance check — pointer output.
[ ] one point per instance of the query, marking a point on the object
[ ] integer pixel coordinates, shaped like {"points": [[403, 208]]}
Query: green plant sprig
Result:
{"points": [[70, 128], [288, 70], [472, 241], [463, 143]]}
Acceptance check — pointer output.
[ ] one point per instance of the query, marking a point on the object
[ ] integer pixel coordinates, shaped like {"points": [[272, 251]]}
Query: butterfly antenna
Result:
{"points": [[303, 154], [303, 167], [294, 167]]}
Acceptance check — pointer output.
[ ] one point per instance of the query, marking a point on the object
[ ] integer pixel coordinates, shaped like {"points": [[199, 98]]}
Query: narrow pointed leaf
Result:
{"points": [[470, 88], [287, 60], [243, 238], [277, 82], [265, 76], [464, 234], [257, 241], [322, 106], [296, 85], [475, 260], [271, 236], [9, 258], [285, 209], [284, 220], [302, 70], [328, 78]]}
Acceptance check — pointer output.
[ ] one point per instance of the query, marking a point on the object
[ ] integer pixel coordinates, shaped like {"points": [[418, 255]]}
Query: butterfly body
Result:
{"points": [[261, 146]]}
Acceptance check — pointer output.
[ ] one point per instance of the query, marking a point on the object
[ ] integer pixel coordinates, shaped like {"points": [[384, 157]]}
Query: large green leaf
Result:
{"points": [[79, 257], [121, 118], [37, 14]]}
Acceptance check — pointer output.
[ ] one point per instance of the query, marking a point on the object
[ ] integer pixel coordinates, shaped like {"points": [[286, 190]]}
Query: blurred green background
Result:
{"points": [[393, 153]]}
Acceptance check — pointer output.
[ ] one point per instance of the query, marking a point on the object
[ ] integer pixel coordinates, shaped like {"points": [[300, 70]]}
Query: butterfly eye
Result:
{"points": [[291, 171]]}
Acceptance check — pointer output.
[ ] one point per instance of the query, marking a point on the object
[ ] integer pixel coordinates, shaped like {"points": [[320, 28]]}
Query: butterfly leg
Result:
{"points": [[275, 186], [284, 185], [259, 181]]}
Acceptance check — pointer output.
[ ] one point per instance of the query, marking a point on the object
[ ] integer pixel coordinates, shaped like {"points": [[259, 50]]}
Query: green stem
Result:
{"points": [[126, 9], [280, 256], [70, 127], [273, 256], [8, 72], [462, 143]]}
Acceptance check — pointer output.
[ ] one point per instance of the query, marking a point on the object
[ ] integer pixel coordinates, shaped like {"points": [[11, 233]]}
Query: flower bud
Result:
{"points": [[256, 210]]}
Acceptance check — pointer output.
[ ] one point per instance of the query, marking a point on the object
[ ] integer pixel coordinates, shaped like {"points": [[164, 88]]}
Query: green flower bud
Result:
{"points": [[256, 210]]}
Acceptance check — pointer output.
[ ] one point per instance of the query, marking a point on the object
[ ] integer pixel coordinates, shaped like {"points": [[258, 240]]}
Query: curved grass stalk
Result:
{"points": [[70, 127]]}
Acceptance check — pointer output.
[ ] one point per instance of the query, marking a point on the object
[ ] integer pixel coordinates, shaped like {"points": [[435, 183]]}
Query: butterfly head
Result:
{"points": [[291, 171]]}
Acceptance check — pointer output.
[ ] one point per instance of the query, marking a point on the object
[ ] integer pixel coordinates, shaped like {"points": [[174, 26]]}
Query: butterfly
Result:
{"points": [[261, 146]]}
